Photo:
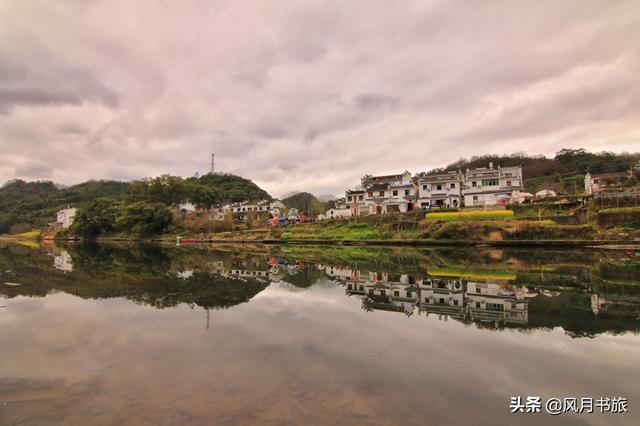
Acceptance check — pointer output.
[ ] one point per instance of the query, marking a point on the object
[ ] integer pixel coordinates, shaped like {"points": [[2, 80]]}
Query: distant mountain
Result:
{"points": [[304, 202]]}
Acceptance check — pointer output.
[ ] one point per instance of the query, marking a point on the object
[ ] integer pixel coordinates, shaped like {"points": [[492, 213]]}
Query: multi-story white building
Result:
{"points": [[390, 193], [354, 201], [489, 186], [242, 210], [441, 191], [65, 217]]}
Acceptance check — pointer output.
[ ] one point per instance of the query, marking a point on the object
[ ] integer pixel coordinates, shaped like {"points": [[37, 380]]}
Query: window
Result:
{"points": [[349, 198], [381, 193], [361, 197], [396, 293], [370, 194], [347, 207], [442, 300], [508, 183], [490, 182], [424, 188], [474, 184], [455, 302], [477, 304], [395, 193], [407, 192], [409, 293], [382, 293], [371, 291], [475, 198], [439, 187], [453, 186]]}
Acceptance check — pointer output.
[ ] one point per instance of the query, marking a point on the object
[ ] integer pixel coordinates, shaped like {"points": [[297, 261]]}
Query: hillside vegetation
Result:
{"points": [[305, 203], [564, 172], [28, 205]]}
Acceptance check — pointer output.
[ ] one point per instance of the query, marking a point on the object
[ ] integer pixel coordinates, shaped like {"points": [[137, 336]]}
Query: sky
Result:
{"points": [[308, 95]]}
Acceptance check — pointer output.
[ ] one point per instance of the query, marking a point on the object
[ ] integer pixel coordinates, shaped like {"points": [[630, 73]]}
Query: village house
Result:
{"points": [[242, 210], [354, 201], [64, 218], [606, 182], [338, 213], [379, 193], [488, 186], [441, 191]]}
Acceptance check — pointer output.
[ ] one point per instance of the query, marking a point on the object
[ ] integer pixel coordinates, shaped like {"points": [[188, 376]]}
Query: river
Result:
{"points": [[164, 335]]}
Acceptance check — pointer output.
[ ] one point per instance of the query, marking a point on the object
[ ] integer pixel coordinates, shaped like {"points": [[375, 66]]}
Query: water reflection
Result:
{"points": [[585, 293], [148, 334]]}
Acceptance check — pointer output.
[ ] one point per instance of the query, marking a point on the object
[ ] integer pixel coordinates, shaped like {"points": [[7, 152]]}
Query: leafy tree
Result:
{"points": [[98, 217], [143, 218]]}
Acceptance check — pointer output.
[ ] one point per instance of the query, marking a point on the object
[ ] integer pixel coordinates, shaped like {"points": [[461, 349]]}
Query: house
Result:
{"points": [[389, 193], [338, 213], [488, 186], [242, 210], [441, 191], [65, 217], [375, 198], [402, 197], [595, 184], [354, 200]]}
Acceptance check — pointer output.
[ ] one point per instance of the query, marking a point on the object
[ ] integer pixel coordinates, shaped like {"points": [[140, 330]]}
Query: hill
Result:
{"points": [[28, 205], [304, 202], [564, 172]]}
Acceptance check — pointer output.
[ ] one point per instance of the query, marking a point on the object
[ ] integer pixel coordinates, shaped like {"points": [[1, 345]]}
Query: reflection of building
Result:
{"points": [[487, 301], [62, 261], [496, 302]]}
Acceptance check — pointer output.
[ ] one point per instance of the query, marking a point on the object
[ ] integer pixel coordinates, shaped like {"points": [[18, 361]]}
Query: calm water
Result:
{"points": [[313, 335]]}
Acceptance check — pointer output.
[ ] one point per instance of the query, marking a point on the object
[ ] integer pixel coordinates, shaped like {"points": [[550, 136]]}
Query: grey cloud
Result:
{"points": [[327, 87], [374, 101], [34, 170], [48, 83]]}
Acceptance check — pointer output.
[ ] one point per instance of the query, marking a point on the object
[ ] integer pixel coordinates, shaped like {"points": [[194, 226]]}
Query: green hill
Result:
{"points": [[304, 202], [28, 205], [564, 172]]}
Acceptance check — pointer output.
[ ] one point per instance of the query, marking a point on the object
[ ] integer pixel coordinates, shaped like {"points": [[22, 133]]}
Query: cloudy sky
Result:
{"points": [[308, 95]]}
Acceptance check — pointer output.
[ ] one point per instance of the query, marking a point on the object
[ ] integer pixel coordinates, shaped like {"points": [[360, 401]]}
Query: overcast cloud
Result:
{"points": [[308, 95]]}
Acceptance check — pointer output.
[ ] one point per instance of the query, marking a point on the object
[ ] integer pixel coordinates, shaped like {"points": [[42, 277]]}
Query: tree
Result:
{"points": [[143, 218], [97, 217]]}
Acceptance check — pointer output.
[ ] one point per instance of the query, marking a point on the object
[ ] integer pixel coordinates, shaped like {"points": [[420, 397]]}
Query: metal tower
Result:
{"points": [[212, 162]]}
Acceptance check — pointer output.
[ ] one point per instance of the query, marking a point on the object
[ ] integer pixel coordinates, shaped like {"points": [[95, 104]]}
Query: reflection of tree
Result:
{"points": [[305, 277], [142, 273]]}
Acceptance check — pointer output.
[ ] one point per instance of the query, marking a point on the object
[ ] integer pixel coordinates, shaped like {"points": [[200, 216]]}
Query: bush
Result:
{"points": [[627, 217]]}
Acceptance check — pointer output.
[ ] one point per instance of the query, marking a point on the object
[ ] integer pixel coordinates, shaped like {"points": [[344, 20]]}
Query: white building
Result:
{"points": [[65, 217], [390, 193], [273, 208], [441, 191], [337, 213], [489, 186], [594, 184], [354, 200]]}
